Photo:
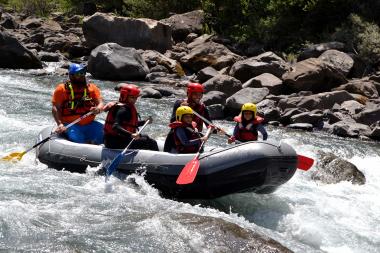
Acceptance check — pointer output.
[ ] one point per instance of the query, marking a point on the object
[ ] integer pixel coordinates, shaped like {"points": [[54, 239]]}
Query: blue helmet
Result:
{"points": [[75, 68]]}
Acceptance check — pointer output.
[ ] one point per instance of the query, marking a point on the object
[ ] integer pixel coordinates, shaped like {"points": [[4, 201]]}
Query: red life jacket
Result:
{"points": [[129, 125], [191, 133], [78, 100], [200, 109], [249, 131]]}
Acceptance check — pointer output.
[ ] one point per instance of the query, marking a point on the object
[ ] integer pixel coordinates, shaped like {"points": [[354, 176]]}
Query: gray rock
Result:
{"points": [[333, 169], [223, 83], [216, 111], [150, 93], [214, 97], [113, 62]]}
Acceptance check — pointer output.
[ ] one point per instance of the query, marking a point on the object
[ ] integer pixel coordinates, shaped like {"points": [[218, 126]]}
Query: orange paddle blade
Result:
{"points": [[304, 162], [189, 172]]}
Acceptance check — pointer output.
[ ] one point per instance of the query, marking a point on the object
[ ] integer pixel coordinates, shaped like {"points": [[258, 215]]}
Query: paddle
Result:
{"points": [[18, 155], [189, 172], [210, 123], [304, 162], [116, 161]]}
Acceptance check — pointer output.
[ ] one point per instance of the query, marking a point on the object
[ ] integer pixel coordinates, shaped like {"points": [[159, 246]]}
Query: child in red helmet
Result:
{"points": [[122, 122], [194, 95]]}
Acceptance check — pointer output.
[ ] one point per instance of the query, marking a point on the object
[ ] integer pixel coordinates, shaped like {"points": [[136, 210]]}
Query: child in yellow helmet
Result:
{"points": [[248, 124], [183, 136]]}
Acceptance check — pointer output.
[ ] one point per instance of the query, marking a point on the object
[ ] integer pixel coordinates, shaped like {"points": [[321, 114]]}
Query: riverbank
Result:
{"points": [[321, 91]]}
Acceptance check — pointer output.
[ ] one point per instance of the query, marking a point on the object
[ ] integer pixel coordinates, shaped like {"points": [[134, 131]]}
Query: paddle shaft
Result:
{"points": [[210, 123], [138, 132], [68, 126], [115, 162]]}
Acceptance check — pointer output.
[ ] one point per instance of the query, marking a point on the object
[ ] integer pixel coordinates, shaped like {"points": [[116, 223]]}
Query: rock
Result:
{"points": [[216, 111], [333, 169], [214, 97], [320, 101], [341, 61], [350, 129], [140, 33], [15, 56], [273, 83], [352, 107], [316, 50], [184, 24], [49, 57], [172, 65], [111, 61], [150, 93], [313, 75], [209, 54], [8, 21], [264, 63], [363, 87], [316, 119], [207, 73], [368, 116], [246, 95], [223, 83], [375, 134], [159, 68]]}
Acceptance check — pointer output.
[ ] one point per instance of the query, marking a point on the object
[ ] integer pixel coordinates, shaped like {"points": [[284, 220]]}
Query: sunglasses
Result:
{"points": [[79, 74]]}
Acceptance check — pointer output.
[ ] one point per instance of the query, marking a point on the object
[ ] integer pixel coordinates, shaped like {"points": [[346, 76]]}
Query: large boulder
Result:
{"points": [[246, 95], [264, 63], [341, 61], [223, 83], [272, 82], [313, 75], [314, 51], [140, 33], [320, 101], [184, 24], [333, 169], [209, 54], [368, 116], [363, 87], [172, 65], [111, 61], [15, 56]]}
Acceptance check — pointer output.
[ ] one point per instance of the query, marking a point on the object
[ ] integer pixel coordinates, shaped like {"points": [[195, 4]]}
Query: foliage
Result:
{"points": [[35, 7], [362, 37]]}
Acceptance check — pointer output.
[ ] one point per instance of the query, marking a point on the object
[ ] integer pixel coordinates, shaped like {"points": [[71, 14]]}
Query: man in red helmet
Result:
{"points": [[194, 95], [122, 122]]}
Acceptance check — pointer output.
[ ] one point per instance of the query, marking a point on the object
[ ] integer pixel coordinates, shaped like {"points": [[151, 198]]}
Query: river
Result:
{"points": [[44, 210]]}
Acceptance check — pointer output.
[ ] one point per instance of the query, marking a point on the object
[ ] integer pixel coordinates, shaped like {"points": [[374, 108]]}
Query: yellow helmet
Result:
{"points": [[182, 110], [249, 107]]}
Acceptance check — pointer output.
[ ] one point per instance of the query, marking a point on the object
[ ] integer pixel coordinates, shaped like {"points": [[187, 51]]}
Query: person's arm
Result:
{"points": [[263, 132], [98, 100], [181, 134], [57, 99], [175, 107], [233, 136]]}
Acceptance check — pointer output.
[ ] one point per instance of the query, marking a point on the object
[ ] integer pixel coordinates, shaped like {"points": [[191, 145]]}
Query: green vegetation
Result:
{"points": [[283, 26]]}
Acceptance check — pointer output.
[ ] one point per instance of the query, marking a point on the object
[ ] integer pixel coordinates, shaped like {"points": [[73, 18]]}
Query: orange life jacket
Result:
{"points": [[191, 133], [129, 125], [249, 131], [78, 100]]}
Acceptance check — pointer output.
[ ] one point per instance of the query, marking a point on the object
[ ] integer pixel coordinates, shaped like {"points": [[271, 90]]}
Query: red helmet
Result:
{"points": [[128, 90], [195, 87]]}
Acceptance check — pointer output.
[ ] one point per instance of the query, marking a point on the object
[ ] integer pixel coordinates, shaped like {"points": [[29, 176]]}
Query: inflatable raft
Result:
{"points": [[259, 167]]}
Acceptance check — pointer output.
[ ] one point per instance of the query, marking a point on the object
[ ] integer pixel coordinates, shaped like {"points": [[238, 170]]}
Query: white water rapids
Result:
{"points": [[44, 210]]}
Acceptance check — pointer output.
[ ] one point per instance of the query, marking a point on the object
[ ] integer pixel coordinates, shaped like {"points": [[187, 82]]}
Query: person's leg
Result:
{"points": [[75, 134], [94, 132]]}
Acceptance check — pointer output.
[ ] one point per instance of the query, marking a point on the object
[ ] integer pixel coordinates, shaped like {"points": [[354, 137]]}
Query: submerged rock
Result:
{"points": [[224, 236], [333, 169]]}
